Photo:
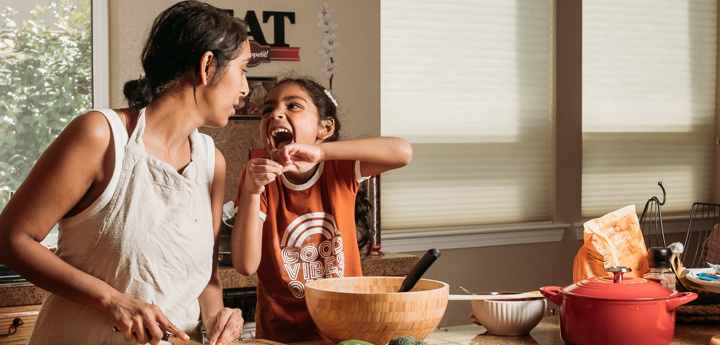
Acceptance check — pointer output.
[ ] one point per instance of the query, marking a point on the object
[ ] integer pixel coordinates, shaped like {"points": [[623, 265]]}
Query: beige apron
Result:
{"points": [[152, 240]]}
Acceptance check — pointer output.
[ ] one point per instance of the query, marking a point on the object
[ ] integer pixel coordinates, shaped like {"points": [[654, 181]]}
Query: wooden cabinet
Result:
{"points": [[26, 315]]}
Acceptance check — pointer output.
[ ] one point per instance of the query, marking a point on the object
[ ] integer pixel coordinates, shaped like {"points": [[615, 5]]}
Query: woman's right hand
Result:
{"points": [[140, 321], [261, 171]]}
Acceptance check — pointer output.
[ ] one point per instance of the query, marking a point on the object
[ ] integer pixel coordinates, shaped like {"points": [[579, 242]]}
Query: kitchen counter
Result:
{"points": [[548, 333], [388, 264]]}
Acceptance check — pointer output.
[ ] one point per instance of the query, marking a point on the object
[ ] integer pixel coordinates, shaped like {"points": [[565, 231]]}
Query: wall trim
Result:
{"points": [[399, 241]]}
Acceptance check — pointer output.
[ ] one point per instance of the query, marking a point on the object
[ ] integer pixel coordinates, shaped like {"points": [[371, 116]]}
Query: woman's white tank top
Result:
{"points": [[149, 235]]}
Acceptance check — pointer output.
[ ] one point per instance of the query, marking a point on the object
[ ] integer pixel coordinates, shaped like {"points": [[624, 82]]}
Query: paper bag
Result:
{"points": [[614, 239]]}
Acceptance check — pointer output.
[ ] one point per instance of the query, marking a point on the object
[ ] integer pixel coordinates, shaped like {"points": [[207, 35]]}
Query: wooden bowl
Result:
{"points": [[371, 309]]}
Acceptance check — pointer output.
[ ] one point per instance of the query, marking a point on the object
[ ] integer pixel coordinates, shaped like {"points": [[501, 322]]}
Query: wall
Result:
{"points": [[357, 82], [502, 268]]}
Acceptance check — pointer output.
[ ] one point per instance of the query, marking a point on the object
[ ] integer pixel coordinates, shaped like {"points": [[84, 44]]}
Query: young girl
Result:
{"points": [[295, 212]]}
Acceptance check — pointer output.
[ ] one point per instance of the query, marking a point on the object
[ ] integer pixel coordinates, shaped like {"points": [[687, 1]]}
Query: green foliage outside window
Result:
{"points": [[45, 81]]}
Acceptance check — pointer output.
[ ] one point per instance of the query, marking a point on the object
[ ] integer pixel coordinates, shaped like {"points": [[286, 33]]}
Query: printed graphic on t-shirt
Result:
{"points": [[304, 258]]}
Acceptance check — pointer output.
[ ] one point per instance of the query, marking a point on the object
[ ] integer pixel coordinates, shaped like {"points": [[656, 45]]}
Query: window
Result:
{"points": [[649, 70], [470, 84], [50, 52]]}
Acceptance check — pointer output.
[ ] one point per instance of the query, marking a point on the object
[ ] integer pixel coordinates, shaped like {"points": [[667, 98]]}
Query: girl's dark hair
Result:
{"points": [[324, 104], [363, 211], [178, 38]]}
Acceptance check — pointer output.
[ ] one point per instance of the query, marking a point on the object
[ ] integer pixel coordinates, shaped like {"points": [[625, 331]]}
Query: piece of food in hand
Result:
{"points": [[406, 340], [474, 319]]}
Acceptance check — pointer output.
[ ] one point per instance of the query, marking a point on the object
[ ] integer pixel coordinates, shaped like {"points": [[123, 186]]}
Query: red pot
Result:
{"points": [[617, 310]]}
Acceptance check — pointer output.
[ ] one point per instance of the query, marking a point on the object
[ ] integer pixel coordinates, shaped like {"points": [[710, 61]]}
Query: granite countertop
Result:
{"points": [[386, 264], [548, 333]]}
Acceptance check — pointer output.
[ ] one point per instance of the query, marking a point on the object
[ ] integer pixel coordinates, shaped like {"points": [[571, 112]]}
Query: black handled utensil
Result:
{"points": [[419, 269]]}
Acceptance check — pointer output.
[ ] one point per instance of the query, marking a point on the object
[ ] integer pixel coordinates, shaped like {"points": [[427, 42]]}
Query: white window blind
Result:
{"points": [[470, 84], [648, 103]]}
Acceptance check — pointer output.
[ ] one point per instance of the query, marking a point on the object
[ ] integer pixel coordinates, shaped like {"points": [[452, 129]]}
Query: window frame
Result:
{"points": [[100, 37], [100, 53]]}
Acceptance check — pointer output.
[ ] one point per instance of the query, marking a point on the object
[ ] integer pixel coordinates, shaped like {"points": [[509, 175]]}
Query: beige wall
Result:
{"points": [[357, 82]]}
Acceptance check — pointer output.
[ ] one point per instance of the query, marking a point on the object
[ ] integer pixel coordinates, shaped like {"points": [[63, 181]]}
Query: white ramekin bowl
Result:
{"points": [[509, 317]]}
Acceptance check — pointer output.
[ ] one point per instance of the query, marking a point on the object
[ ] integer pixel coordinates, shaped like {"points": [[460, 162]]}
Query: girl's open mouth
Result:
{"points": [[281, 137]]}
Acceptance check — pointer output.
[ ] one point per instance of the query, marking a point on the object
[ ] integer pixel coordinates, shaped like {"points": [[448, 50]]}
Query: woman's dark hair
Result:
{"points": [[323, 102], [178, 38]]}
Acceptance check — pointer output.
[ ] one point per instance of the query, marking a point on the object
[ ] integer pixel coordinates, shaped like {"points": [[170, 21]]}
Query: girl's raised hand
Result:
{"points": [[297, 157], [260, 172]]}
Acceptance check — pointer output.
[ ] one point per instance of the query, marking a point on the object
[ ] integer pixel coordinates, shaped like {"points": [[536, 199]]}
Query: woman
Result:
{"points": [[138, 196]]}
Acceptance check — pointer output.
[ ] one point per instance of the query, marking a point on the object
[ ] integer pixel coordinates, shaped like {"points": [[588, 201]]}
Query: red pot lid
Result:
{"points": [[617, 288]]}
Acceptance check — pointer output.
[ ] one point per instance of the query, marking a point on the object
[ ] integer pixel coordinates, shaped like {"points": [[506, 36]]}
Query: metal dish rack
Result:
{"points": [[703, 236], [701, 246], [651, 221], [702, 239]]}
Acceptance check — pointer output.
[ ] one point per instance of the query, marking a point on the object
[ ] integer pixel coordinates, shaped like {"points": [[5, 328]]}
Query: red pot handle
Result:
{"points": [[551, 293], [679, 299]]}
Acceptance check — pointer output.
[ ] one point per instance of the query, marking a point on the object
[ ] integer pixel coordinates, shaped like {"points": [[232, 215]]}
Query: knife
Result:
{"points": [[172, 339], [176, 341], [166, 336]]}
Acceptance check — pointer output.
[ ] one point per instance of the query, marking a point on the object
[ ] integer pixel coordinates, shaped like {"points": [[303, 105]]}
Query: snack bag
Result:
{"points": [[614, 239]]}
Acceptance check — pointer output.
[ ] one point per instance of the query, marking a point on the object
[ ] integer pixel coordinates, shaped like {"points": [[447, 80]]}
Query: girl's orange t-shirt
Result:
{"points": [[308, 234]]}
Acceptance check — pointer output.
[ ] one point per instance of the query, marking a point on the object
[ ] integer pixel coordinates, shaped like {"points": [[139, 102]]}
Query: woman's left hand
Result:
{"points": [[226, 327]]}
